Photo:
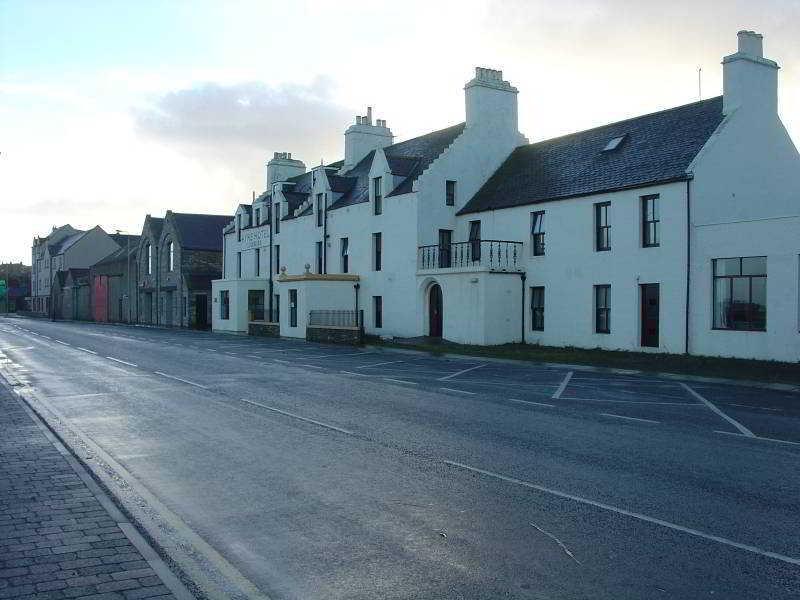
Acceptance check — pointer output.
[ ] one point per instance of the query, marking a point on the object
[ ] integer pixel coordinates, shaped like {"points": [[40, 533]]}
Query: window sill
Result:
{"points": [[602, 249], [738, 330], [603, 332]]}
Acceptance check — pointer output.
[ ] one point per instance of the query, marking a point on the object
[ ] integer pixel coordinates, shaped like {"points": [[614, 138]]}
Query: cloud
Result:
{"points": [[236, 127]]}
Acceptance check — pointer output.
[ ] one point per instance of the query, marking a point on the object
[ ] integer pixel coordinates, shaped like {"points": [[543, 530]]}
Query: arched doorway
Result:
{"points": [[435, 311]]}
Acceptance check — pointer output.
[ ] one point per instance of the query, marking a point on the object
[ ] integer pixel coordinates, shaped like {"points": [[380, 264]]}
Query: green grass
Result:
{"points": [[707, 366]]}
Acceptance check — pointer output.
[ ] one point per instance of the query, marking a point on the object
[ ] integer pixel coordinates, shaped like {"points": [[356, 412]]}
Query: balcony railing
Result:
{"points": [[495, 255], [334, 318]]}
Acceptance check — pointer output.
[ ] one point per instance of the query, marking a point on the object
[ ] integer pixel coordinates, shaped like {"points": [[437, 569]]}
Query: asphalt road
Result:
{"points": [[332, 472]]}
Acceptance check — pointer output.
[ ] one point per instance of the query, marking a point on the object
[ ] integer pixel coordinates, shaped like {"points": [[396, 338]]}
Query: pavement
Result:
{"points": [[60, 537], [278, 468]]}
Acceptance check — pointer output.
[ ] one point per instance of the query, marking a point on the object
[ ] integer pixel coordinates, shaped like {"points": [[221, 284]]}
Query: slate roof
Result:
{"points": [[119, 255], [62, 244], [657, 148], [200, 232]]}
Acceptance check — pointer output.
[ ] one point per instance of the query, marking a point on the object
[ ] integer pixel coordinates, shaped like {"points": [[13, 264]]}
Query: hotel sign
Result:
{"points": [[254, 238]]}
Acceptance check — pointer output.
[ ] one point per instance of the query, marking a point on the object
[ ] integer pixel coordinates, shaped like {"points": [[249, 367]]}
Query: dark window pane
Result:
{"points": [[722, 293], [755, 265], [758, 303], [726, 266]]}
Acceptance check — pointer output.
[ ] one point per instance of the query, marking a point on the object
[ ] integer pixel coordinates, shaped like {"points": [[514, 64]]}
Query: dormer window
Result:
{"points": [[377, 191], [319, 210], [614, 143], [239, 227], [258, 217]]}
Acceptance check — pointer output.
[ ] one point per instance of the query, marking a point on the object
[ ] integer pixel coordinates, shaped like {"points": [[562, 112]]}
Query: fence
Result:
{"points": [[500, 255], [334, 318]]}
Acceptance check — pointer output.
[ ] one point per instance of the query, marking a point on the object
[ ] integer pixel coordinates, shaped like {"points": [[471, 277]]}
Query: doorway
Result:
{"points": [[200, 311], [168, 305], [649, 298], [435, 311]]}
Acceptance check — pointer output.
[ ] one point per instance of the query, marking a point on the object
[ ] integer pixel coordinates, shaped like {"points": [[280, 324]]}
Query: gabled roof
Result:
{"points": [[156, 225], [200, 232], [63, 244], [656, 148]]}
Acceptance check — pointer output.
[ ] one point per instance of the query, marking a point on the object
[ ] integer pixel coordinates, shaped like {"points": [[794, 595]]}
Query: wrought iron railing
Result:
{"points": [[333, 318], [499, 255]]}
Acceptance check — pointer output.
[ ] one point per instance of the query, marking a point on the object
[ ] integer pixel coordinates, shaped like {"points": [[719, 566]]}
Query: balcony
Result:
{"points": [[484, 255]]}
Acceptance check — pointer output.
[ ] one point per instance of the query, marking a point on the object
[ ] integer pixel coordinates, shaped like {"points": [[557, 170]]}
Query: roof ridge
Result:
{"points": [[621, 121], [425, 135]]}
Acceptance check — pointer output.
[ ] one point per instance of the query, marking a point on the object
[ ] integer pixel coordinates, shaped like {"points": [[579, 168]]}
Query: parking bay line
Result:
{"points": [[758, 437], [562, 386], [742, 429], [458, 391], [86, 350], [531, 402], [390, 362], [298, 417], [63, 343], [628, 513], [180, 379], [457, 373], [124, 362], [400, 381], [629, 418]]}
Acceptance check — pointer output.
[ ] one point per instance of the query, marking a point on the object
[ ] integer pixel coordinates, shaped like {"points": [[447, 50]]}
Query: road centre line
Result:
{"points": [[86, 350], [531, 402], [458, 391], [638, 403], [744, 430], [629, 418], [390, 362], [562, 386], [180, 379], [351, 373], [124, 362], [400, 381], [628, 513], [758, 437], [286, 362], [336, 355], [46, 337], [298, 417], [64, 343], [456, 374], [757, 407], [311, 366], [17, 348]]}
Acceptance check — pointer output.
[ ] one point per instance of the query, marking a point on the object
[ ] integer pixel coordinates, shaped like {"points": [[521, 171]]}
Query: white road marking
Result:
{"points": [[400, 381], [335, 355], [311, 366], [64, 343], [390, 362], [457, 391], [124, 362], [756, 407], [18, 348], [744, 430], [531, 402], [457, 373], [209, 349], [69, 396], [253, 356], [643, 403], [46, 337], [86, 350], [557, 394], [629, 418], [298, 417], [758, 437], [351, 373], [286, 362], [181, 380], [628, 513]]}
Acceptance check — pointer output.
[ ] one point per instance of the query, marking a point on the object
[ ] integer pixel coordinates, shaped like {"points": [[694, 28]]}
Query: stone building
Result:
{"points": [[113, 284], [177, 258]]}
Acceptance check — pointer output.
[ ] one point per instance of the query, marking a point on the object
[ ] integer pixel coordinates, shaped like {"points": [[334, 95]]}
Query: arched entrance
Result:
{"points": [[435, 311]]}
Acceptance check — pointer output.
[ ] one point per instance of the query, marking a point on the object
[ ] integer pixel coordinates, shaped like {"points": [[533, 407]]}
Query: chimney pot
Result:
{"points": [[751, 43]]}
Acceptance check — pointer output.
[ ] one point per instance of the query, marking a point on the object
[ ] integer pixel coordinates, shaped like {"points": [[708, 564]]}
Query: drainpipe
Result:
{"points": [[325, 233], [356, 287], [272, 219], [522, 278], [688, 259]]}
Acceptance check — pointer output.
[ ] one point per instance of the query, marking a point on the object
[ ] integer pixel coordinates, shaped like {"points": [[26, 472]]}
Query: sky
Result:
{"points": [[110, 110]]}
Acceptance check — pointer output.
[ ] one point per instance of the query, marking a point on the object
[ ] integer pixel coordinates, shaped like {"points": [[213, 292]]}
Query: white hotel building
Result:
{"points": [[677, 231]]}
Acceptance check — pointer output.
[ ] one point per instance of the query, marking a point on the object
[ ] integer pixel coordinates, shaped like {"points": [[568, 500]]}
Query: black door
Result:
{"points": [[200, 311], [435, 311], [649, 295]]}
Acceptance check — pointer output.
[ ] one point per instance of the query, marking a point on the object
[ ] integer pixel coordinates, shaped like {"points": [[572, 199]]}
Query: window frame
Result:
{"points": [[239, 265], [171, 255], [344, 254], [601, 226], [256, 217], [319, 211], [450, 192], [276, 210], [606, 308], [318, 250], [293, 302], [537, 237], [377, 251], [377, 311], [537, 290], [377, 195], [655, 221], [277, 258], [224, 305], [257, 268], [445, 249], [149, 256], [730, 278]]}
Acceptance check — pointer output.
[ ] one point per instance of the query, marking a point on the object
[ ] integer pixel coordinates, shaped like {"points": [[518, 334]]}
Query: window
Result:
{"points": [[602, 228], [239, 264], [537, 308], [445, 246], [149, 259], [537, 232], [276, 308], [277, 259], [255, 305], [319, 257], [377, 191], [475, 240], [613, 144], [740, 293], [650, 221], [450, 192], [344, 244], [292, 308], [171, 252], [319, 210], [239, 227], [377, 303], [277, 216], [602, 309], [224, 305], [257, 218], [258, 262], [377, 251]]}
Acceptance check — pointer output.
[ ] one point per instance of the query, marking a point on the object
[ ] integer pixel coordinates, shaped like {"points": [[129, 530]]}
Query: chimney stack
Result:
{"points": [[363, 137], [491, 101], [749, 80], [281, 167]]}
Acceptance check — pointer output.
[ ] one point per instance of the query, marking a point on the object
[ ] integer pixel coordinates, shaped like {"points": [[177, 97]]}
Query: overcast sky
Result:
{"points": [[113, 109]]}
